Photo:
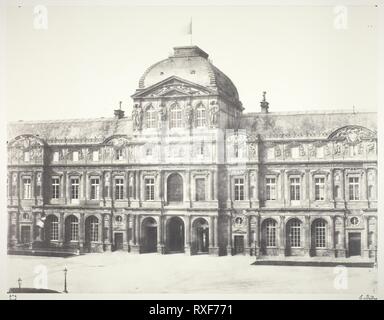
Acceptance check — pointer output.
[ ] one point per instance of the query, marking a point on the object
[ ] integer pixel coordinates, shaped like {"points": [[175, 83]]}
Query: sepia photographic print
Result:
{"points": [[191, 150]]}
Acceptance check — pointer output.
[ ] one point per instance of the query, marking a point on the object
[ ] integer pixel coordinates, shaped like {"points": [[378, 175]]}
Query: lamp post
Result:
{"points": [[65, 279], [19, 281]]}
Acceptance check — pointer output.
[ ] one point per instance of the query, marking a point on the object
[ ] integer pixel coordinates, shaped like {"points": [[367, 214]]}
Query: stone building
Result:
{"points": [[190, 172]]}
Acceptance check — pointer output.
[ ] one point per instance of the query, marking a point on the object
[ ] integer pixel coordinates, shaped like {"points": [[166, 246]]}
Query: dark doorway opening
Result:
{"points": [[239, 244], [175, 235], [201, 236], [25, 234], [149, 228], [118, 244], [354, 244]]}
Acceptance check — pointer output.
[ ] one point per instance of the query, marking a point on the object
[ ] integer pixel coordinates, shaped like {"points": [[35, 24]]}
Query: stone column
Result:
{"points": [[211, 236], [364, 238], [215, 185], [160, 237], [283, 192], [330, 193], [308, 186], [282, 236], [82, 232], [61, 229], [136, 247], [216, 234], [187, 248], [331, 237], [307, 238], [364, 181], [229, 226]]}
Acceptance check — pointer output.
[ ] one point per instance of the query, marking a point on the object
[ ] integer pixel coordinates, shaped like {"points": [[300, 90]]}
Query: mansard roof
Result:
{"points": [[71, 131], [274, 125], [303, 125]]}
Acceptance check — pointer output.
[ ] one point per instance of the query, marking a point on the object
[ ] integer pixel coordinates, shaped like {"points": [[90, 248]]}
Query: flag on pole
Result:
{"points": [[190, 27]]}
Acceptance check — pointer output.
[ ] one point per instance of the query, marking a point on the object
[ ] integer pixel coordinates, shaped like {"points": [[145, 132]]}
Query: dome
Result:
{"points": [[190, 63]]}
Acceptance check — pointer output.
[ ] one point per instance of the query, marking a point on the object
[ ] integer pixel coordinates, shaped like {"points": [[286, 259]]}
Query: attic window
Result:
{"points": [[193, 71], [161, 73]]}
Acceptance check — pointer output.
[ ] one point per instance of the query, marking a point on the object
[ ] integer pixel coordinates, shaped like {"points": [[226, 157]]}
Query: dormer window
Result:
{"points": [[176, 117], [200, 116], [27, 156], [56, 156], [150, 118], [119, 154], [75, 156], [95, 155]]}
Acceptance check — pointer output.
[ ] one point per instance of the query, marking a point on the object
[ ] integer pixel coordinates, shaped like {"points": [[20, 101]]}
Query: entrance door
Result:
{"points": [[150, 244], [239, 244], [354, 244], [202, 239], [25, 234], [175, 235], [119, 241]]}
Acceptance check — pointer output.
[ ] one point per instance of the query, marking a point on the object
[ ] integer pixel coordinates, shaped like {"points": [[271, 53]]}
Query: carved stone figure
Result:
{"points": [[188, 115], [301, 150], [214, 113], [277, 151], [163, 112], [371, 147], [137, 115]]}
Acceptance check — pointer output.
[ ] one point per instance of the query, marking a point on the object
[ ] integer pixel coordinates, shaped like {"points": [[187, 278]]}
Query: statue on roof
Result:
{"points": [[214, 113], [137, 116]]}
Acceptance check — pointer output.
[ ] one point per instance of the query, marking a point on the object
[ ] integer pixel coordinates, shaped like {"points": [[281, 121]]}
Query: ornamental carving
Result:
{"points": [[301, 150], [239, 223], [371, 147], [26, 142], [163, 112], [252, 150], [353, 134], [277, 151], [117, 142], [312, 150], [188, 115]]}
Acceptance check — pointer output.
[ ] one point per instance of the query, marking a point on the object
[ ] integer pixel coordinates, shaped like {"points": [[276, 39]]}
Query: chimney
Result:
{"points": [[264, 104], [118, 112]]}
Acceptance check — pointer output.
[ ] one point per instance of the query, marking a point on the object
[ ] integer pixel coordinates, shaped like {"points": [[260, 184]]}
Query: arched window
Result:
{"points": [[320, 233], [73, 224], [150, 118], [270, 233], [200, 116], [175, 188], [295, 233], [176, 117]]}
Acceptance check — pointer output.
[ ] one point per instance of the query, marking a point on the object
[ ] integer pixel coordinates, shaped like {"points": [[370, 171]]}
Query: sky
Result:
{"points": [[91, 57]]}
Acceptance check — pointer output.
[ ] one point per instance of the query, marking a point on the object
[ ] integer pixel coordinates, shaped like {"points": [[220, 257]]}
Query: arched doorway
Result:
{"points": [[175, 235], [175, 188], [294, 237], [149, 238], [91, 231], [51, 229], [269, 237], [318, 237], [200, 240], [71, 229]]}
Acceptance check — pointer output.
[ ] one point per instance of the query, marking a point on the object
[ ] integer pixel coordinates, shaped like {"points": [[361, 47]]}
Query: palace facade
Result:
{"points": [[189, 172]]}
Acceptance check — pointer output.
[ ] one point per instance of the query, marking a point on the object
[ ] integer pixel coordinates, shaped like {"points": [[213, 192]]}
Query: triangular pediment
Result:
{"points": [[173, 86]]}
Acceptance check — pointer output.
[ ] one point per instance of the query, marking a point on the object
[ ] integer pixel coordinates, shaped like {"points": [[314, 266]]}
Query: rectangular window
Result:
{"points": [[55, 188], [319, 189], [119, 154], [271, 189], [56, 156], [75, 156], [27, 188], [354, 193], [295, 152], [320, 152], [95, 155], [295, 189], [26, 156], [95, 188], [271, 153], [320, 235], [74, 188], [239, 189], [119, 189], [200, 189], [149, 189], [271, 234]]}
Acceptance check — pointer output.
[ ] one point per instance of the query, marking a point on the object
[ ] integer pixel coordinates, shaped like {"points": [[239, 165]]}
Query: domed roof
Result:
{"points": [[190, 63]]}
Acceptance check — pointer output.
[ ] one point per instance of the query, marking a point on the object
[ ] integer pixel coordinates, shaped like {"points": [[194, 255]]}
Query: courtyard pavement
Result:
{"points": [[120, 272]]}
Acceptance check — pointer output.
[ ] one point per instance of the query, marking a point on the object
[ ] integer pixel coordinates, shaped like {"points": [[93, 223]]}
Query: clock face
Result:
{"points": [[354, 221]]}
